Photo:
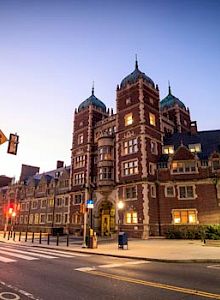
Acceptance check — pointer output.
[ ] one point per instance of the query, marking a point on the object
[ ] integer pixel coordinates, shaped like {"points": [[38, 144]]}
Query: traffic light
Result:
{"points": [[82, 208], [13, 144]]}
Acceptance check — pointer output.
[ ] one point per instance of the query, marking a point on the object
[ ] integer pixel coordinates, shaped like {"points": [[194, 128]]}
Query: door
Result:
{"points": [[105, 225]]}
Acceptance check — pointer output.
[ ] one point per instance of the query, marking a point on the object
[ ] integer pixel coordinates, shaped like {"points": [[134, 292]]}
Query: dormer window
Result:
{"points": [[128, 119], [168, 149], [195, 148]]}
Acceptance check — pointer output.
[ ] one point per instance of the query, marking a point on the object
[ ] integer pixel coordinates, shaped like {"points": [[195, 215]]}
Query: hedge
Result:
{"points": [[202, 232]]}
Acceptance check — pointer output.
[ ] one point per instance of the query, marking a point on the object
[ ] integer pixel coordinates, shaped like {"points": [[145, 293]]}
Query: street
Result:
{"points": [[34, 273]]}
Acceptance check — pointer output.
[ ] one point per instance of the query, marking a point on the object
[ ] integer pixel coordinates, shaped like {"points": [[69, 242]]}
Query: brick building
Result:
{"points": [[148, 154]]}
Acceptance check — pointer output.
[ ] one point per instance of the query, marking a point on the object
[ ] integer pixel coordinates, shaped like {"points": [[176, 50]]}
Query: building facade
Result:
{"points": [[148, 155]]}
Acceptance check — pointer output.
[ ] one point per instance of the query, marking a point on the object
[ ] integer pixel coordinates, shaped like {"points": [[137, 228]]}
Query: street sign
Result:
{"points": [[3, 138], [90, 203]]}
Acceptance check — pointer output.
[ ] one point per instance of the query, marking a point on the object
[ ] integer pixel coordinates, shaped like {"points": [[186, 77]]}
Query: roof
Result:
{"points": [[170, 101], [209, 140], [92, 100], [134, 76]]}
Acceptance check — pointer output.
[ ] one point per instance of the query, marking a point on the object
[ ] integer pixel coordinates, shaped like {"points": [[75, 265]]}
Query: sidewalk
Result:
{"points": [[153, 249]]}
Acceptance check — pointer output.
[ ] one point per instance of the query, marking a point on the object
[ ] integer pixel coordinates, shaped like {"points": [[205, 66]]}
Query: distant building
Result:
{"points": [[148, 154]]}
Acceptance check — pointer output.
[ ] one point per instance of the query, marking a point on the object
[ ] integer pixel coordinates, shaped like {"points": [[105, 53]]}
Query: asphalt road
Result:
{"points": [[30, 273]]}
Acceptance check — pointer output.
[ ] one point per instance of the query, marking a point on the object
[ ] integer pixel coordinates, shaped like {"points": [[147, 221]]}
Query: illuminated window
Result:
{"points": [[186, 192], [31, 219], [168, 149], [184, 216], [195, 148], [130, 168], [105, 153], [131, 192], [152, 119], [80, 138], [130, 146], [183, 167], [128, 119], [50, 202], [131, 217], [36, 219]]}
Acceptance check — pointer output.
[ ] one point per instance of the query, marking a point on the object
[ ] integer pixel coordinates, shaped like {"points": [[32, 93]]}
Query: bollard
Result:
{"points": [[4, 234], [57, 239], [14, 236], [11, 233], [48, 239], [19, 239], [67, 240], [8, 235], [26, 234], [40, 237], [32, 237]]}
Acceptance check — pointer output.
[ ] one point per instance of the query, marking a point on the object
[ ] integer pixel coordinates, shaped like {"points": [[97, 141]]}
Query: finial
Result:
{"points": [[136, 62], [169, 88], [93, 88]]}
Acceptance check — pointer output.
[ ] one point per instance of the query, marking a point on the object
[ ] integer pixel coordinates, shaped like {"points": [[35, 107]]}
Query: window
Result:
{"points": [[80, 161], [169, 191], [153, 147], [105, 153], [59, 202], [34, 204], [130, 168], [130, 146], [153, 191], [195, 148], [66, 201], [31, 219], [36, 219], [78, 198], [23, 206], [105, 173], [76, 218], [79, 178], [65, 218], [42, 218], [152, 168], [128, 101], [51, 202], [186, 192], [131, 193], [184, 216], [162, 165], [49, 218], [168, 149], [128, 119], [204, 163], [25, 219], [21, 219], [131, 217], [58, 218], [216, 164], [43, 203], [80, 139], [183, 167], [152, 119]]}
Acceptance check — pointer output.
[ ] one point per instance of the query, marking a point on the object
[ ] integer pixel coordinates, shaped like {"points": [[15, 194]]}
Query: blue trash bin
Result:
{"points": [[122, 240]]}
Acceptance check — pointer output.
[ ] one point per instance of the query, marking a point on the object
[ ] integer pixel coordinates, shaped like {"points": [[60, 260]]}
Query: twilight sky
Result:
{"points": [[51, 51]]}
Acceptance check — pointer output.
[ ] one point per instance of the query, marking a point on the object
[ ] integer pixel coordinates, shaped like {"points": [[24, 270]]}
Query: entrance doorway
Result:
{"points": [[107, 218]]}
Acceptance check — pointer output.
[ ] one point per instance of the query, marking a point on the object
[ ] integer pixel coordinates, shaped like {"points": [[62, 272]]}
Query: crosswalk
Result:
{"points": [[11, 254]]}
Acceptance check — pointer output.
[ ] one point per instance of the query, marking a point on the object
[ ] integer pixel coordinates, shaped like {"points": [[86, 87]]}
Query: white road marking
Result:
{"points": [[18, 255], [2, 296], [214, 267], [50, 252], [85, 269], [6, 259], [115, 265], [29, 253], [14, 288]]}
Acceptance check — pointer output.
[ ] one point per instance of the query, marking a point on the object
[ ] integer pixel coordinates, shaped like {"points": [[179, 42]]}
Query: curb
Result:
{"points": [[163, 260]]}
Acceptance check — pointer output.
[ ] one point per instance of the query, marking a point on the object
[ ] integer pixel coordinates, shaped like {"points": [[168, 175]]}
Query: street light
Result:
{"points": [[120, 207]]}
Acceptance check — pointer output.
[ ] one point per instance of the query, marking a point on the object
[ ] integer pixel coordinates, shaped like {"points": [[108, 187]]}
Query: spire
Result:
{"points": [[93, 88], [136, 62], [169, 88]]}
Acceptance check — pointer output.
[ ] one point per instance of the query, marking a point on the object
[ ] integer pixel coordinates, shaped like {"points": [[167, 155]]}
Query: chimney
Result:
{"points": [[60, 164], [193, 128]]}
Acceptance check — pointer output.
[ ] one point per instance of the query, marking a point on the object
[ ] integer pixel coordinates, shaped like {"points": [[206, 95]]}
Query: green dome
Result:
{"points": [[170, 101], [134, 76], [92, 100]]}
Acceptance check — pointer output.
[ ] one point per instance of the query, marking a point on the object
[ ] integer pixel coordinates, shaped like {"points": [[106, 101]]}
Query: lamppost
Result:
{"points": [[120, 208]]}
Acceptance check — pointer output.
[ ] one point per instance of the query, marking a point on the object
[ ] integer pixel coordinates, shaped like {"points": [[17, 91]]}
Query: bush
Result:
{"points": [[192, 232]]}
